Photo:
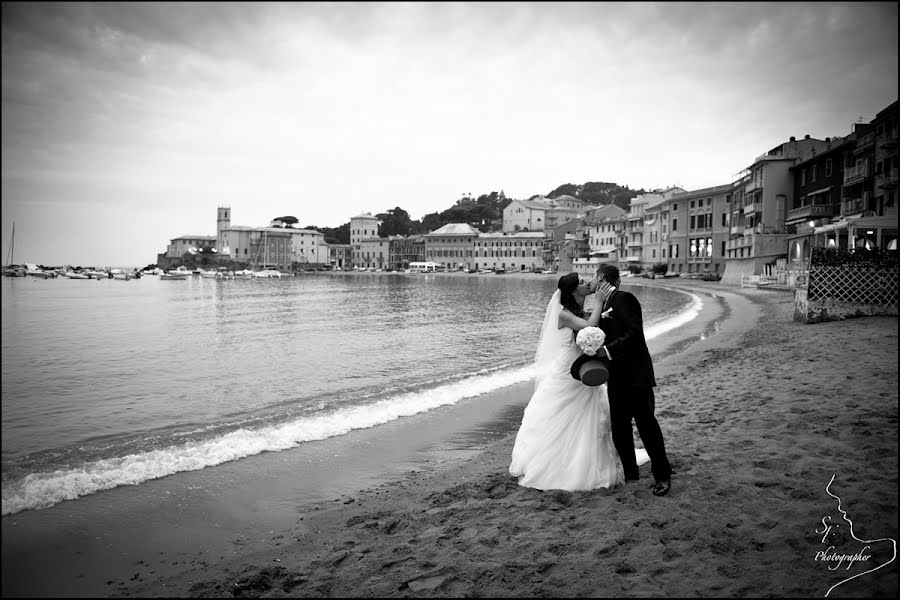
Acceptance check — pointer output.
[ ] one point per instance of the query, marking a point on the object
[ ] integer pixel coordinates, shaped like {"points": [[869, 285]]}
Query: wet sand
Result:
{"points": [[758, 413]]}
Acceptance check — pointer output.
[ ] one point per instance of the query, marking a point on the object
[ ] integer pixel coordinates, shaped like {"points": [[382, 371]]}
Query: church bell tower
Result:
{"points": [[223, 222]]}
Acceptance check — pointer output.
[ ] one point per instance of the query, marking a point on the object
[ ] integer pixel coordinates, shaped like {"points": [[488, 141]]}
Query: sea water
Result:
{"points": [[109, 383]]}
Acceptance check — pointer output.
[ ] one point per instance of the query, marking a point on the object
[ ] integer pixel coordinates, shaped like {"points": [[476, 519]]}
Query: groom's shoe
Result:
{"points": [[661, 487]]}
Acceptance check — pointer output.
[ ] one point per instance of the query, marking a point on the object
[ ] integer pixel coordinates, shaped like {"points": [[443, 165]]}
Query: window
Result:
{"points": [[803, 177], [724, 219], [827, 167], [674, 207], [815, 168], [674, 224], [693, 222]]}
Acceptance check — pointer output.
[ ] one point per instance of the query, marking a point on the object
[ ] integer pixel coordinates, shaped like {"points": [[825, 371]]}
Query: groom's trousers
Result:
{"points": [[637, 403]]}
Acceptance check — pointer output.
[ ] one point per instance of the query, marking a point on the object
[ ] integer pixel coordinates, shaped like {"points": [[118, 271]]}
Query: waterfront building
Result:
{"points": [[818, 182], [697, 230], [404, 250], [523, 251], [452, 246], [340, 256], [653, 251], [270, 248], [281, 248], [554, 240], [374, 252], [597, 241], [631, 239], [868, 210], [185, 244], [767, 194], [362, 226]]}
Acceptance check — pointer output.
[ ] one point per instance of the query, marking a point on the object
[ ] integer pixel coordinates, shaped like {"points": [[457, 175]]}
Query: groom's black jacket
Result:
{"points": [[624, 328]]}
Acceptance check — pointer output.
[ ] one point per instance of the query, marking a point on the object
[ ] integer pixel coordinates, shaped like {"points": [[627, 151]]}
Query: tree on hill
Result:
{"points": [[597, 193], [394, 222], [335, 235], [286, 221], [484, 213]]}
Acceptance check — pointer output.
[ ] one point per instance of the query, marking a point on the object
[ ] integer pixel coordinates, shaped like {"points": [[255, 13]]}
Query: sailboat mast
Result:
{"points": [[12, 245]]}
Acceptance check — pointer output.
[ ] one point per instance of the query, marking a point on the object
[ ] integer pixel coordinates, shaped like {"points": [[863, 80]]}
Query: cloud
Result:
{"points": [[324, 105]]}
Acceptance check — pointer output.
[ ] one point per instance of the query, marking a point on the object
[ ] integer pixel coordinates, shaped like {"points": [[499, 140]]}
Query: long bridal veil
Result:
{"points": [[549, 341]]}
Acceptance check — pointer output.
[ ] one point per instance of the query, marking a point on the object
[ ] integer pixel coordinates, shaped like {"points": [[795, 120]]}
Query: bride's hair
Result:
{"points": [[567, 286]]}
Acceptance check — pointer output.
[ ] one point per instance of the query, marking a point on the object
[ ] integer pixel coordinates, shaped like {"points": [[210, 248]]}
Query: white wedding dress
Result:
{"points": [[565, 441]]}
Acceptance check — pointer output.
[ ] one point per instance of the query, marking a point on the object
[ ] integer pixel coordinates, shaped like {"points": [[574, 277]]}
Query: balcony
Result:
{"points": [[752, 185], [890, 180], [856, 173], [635, 244], [811, 211], [852, 207], [736, 229], [865, 143], [738, 243], [753, 207]]}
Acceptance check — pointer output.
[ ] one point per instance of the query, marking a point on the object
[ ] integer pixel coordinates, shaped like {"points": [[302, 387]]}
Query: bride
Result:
{"points": [[565, 441]]}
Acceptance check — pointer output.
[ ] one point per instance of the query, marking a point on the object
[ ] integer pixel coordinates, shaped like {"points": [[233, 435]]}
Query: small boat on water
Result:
{"points": [[74, 275], [36, 271], [172, 276], [11, 270], [14, 271], [267, 273], [208, 274], [499, 271]]}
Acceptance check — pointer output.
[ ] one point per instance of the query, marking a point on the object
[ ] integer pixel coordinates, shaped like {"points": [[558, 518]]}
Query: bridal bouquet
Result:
{"points": [[590, 339]]}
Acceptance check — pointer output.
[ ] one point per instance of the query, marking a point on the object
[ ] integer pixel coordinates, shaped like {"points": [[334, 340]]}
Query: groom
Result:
{"points": [[631, 378]]}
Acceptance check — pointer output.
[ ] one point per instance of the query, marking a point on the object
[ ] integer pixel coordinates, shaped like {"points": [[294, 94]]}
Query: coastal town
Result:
{"points": [[804, 193], [761, 227]]}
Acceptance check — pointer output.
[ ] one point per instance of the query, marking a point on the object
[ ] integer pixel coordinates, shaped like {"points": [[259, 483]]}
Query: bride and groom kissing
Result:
{"points": [[577, 435]]}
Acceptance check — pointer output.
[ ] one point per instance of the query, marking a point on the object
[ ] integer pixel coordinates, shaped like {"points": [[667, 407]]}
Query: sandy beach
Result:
{"points": [[772, 428]]}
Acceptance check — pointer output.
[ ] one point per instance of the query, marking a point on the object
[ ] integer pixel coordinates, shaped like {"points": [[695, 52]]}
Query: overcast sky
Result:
{"points": [[126, 125]]}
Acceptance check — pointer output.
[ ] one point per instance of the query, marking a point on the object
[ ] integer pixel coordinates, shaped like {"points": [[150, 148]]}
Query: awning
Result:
{"points": [[842, 224], [823, 190]]}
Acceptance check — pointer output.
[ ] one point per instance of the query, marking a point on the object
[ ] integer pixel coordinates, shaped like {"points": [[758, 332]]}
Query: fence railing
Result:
{"points": [[853, 284]]}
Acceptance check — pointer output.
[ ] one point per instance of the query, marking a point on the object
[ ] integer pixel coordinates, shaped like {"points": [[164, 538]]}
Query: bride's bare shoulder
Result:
{"points": [[566, 319]]}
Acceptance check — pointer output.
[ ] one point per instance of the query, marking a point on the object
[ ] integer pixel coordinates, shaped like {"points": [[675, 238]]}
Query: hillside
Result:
{"points": [[484, 213]]}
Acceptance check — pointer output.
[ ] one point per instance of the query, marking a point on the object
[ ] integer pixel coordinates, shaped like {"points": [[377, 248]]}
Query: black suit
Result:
{"points": [[630, 386]]}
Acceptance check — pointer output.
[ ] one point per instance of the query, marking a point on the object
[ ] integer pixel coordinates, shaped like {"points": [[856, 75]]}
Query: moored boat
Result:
{"points": [[14, 271], [74, 275]]}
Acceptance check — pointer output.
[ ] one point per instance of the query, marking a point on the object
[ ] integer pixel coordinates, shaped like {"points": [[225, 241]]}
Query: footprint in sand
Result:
{"points": [[844, 553]]}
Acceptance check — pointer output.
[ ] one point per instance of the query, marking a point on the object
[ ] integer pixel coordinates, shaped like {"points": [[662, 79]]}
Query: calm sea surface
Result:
{"points": [[108, 383]]}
